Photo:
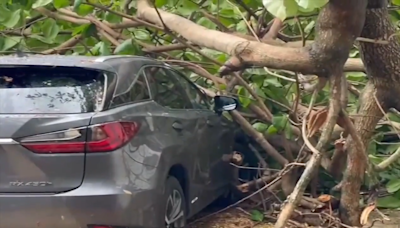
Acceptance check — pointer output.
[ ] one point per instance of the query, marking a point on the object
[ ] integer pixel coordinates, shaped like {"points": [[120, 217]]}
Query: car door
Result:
{"points": [[216, 138], [179, 113]]}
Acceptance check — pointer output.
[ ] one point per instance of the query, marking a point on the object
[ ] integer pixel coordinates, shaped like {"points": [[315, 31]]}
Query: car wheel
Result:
{"points": [[175, 204]]}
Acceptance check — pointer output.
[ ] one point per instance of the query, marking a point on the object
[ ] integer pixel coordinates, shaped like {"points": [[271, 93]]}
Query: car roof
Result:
{"points": [[107, 63]]}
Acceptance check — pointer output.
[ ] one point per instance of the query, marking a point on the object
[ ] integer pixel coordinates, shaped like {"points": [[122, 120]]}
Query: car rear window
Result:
{"points": [[50, 90]]}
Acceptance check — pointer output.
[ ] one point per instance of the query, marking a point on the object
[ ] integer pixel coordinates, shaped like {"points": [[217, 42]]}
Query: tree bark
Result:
{"points": [[367, 118], [382, 64]]}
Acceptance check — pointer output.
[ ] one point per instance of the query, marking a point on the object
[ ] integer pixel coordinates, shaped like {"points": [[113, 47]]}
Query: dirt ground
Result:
{"points": [[232, 218], [236, 218], [394, 222]]}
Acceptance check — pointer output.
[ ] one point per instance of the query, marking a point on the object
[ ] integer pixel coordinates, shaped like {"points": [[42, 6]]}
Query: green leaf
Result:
{"points": [[4, 13], [104, 49], [241, 27], [309, 27], [128, 47], [50, 29], [60, 3], [160, 3], [311, 4], [80, 29], [281, 8], [257, 216], [141, 34], [396, 2], [89, 31], [244, 97], [272, 81], [372, 147], [10, 42], [388, 202], [272, 130], [393, 185], [186, 8], [258, 79], [77, 4], [112, 17], [260, 127], [26, 4], [40, 3], [203, 21], [42, 39], [192, 56], [280, 122], [222, 87], [82, 9], [288, 131], [13, 19]]}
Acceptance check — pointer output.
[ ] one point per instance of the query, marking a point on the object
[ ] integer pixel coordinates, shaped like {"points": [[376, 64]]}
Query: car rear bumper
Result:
{"points": [[87, 205]]}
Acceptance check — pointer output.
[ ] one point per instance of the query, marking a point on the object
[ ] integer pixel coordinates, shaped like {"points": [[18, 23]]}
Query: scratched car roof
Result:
{"points": [[93, 62]]}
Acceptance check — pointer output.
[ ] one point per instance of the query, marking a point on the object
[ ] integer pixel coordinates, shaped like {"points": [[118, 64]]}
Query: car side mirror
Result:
{"points": [[225, 103]]}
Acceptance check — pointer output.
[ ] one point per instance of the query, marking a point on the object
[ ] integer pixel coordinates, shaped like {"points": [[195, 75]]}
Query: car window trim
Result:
{"points": [[179, 74], [130, 87], [172, 109], [137, 75]]}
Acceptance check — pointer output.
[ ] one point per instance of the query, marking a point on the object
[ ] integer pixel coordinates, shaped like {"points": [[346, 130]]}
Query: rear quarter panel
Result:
{"points": [[145, 161]]}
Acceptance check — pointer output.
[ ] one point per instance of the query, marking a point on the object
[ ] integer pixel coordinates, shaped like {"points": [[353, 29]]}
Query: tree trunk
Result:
{"points": [[382, 64], [367, 118]]}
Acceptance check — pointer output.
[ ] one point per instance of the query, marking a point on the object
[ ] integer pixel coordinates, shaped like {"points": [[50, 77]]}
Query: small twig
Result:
{"points": [[64, 47], [318, 88], [210, 17], [313, 163], [396, 155], [389, 161]]}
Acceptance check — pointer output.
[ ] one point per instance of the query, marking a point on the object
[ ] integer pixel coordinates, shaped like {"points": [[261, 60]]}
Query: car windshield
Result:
{"points": [[50, 90]]}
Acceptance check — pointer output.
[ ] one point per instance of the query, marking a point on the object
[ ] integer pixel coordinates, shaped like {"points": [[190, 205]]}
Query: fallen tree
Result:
{"points": [[140, 27]]}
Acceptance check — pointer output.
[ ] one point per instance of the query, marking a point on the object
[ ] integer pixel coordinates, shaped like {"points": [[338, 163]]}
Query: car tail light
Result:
{"points": [[97, 138]]}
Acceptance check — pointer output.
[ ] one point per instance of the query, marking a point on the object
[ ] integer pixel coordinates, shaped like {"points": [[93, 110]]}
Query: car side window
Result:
{"points": [[197, 98], [138, 91], [165, 89]]}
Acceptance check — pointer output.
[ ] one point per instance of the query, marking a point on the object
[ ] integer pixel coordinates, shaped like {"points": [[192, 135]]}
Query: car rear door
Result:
{"points": [[43, 115], [181, 123], [215, 137]]}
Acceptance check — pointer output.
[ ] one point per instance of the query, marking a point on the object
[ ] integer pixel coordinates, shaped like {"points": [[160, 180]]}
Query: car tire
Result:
{"points": [[175, 211]]}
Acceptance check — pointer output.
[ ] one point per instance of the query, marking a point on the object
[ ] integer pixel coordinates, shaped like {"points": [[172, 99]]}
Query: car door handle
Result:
{"points": [[177, 126], [210, 123]]}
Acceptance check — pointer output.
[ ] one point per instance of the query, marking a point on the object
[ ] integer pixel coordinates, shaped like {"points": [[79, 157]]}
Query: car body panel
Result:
{"points": [[213, 170], [22, 170], [106, 63], [123, 187], [116, 200]]}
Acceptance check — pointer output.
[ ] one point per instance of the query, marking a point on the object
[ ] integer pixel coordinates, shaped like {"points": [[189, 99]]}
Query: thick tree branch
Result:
{"points": [[274, 30], [250, 52], [380, 94], [368, 116]]}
